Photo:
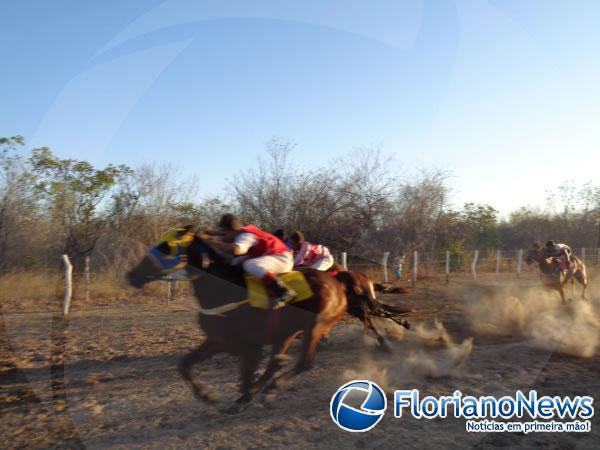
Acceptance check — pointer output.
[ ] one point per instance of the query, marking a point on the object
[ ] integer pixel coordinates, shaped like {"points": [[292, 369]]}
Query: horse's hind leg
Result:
{"points": [[205, 351], [582, 279]]}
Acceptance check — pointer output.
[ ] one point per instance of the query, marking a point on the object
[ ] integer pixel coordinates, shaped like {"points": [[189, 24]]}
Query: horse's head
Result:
{"points": [[534, 253], [145, 271], [199, 256]]}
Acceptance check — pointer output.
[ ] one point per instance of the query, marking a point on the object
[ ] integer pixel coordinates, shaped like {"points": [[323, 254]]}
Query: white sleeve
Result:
{"points": [[244, 241]]}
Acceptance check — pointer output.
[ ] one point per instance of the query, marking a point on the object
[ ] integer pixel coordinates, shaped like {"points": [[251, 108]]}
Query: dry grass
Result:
{"points": [[44, 291]]}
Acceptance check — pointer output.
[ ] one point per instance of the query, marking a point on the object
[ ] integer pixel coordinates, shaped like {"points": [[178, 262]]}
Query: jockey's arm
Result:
{"points": [[227, 247], [211, 232], [301, 254]]}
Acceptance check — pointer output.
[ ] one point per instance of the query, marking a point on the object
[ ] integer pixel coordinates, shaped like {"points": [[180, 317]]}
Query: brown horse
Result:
{"points": [[362, 302], [553, 274], [243, 331]]}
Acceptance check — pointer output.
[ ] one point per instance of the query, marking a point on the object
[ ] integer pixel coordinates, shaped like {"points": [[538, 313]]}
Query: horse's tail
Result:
{"points": [[370, 288]]}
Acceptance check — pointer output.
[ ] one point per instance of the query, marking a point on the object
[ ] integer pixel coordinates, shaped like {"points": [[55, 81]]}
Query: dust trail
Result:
{"points": [[428, 351], [572, 329]]}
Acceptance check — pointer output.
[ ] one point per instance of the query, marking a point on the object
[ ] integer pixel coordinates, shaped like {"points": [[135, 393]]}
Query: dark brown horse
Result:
{"points": [[363, 304], [243, 331], [553, 274]]}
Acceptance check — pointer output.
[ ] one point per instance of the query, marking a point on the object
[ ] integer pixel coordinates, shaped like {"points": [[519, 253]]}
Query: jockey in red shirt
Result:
{"points": [[260, 253]]}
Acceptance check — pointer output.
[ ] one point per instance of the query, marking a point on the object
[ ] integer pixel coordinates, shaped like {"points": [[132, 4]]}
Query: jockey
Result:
{"points": [[260, 253], [169, 251], [310, 255], [280, 233], [557, 250]]}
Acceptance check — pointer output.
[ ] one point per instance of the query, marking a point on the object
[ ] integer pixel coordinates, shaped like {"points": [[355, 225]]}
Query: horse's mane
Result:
{"points": [[203, 256]]}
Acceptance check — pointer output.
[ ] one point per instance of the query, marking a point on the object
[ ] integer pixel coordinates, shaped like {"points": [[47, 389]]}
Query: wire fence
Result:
{"points": [[446, 265]]}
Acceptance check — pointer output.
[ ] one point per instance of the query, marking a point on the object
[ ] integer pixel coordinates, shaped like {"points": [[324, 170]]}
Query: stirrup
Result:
{"points": [[278, 304], [282, 300]]}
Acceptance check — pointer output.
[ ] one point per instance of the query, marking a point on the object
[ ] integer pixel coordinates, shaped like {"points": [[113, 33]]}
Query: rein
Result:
{"points": [[221, 310], [202, 256]]}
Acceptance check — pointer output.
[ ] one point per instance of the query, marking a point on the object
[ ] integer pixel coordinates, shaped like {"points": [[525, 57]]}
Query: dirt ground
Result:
{"points": [[108, 377]]}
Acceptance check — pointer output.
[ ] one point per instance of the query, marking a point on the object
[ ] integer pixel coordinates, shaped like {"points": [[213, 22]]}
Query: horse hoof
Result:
{"points": [[203, 395], [384, 347], [235, 408], [282, 359]]}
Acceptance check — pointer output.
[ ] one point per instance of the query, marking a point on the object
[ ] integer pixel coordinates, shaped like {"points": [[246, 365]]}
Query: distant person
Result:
{"points": [[398, 265], [282, 235], [310, 255], [557, 250], [261, 254], [169, 251]]}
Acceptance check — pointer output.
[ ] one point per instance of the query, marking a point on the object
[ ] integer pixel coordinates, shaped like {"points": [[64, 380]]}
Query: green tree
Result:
{"points": [[481, 226], [72, 192]]}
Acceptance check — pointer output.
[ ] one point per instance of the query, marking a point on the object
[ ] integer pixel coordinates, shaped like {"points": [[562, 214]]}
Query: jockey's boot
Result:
{"points": [[280, 293]]}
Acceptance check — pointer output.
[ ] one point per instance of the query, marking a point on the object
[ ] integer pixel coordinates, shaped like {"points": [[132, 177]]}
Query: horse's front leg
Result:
{"points": [[367, 321], [205, 351], [249, 359], [562, 295], [277, 361]]}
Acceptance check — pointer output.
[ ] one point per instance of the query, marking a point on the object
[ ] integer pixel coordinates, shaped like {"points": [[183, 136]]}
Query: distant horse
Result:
{"points": [[231, 326], [552, 273]]}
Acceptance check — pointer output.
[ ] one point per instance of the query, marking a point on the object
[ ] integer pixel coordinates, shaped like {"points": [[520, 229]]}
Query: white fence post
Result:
{"points": [[498, 256], [87, 279], [68, 285], [474, 264], [447, 266], [169, 289], [520, 262], [384, 261], [344, 260], [415, 266], [583, 255]]}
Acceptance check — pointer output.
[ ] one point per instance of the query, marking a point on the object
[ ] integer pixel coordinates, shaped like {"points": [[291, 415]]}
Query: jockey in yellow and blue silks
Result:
{"points": [[169, 251]]}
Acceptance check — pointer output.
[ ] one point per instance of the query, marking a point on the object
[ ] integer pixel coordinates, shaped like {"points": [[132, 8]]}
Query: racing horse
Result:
{"points": [[553, 273], [363, 304], [232, 326]]}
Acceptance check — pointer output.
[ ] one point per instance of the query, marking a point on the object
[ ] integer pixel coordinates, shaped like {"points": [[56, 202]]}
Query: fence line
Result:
{"points": [[447, 264], [474, 264], [422, 264], [384, 261], [68, 285], [87, 279], [415, 267]]}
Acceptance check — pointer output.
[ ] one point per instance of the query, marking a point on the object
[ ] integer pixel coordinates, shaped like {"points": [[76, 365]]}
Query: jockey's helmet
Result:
{"points": [[229, 222], [550, 244]]}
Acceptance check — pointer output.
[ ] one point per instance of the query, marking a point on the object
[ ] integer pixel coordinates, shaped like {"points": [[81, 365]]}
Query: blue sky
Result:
{"points": [[504, 94]]}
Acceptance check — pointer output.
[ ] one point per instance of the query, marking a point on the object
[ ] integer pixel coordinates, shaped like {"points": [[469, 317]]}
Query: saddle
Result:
{"points": [[258, 296]]}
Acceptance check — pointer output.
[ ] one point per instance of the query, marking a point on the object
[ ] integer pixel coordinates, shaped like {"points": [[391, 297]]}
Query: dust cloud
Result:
{"points": [[536, 314], [425, 351]]}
